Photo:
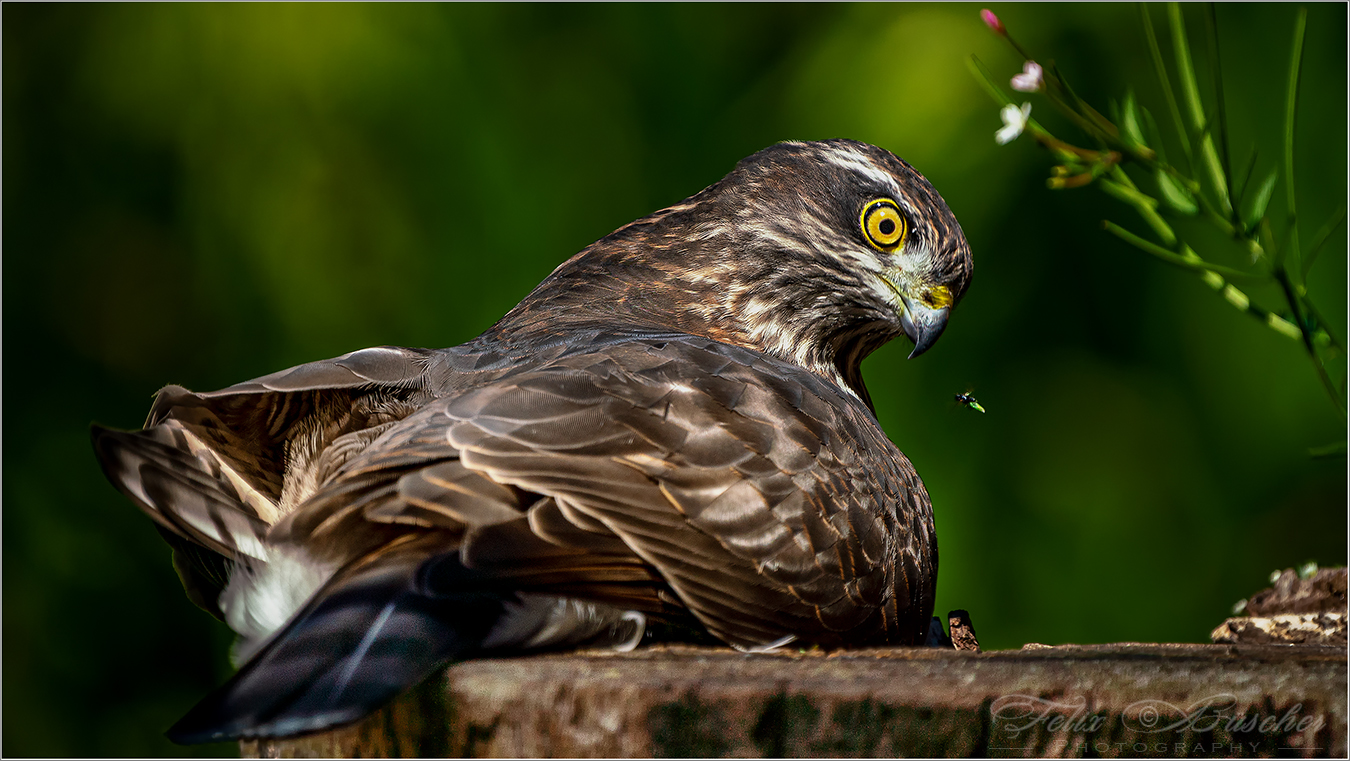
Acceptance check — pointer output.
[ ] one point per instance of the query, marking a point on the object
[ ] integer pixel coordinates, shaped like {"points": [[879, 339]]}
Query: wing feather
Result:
{"points": [[740, 481], [678, 477], [196, 497]]}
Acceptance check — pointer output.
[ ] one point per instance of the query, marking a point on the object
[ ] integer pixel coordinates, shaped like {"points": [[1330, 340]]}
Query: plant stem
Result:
{"points": [[1291, 106], [1102, 135], [1289, 251], [1326, 326], [1025, 55], [1211, 275], [1100, 122], [1209, 157], [1124, 189], [1161, 69], [1193, 263], [1034, 127], [1216, 69], [1282, 277], [1320, 238]]}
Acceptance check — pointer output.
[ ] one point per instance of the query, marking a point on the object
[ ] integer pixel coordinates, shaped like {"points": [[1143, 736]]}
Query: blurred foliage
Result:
{"points": [[1179, 193], [201, 194]]}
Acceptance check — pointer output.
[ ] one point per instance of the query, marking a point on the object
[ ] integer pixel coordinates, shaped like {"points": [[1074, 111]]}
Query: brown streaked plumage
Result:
{"points": [[671, 429]]}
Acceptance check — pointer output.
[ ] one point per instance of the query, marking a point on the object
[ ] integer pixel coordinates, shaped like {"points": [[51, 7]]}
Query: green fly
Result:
{"points": [[970, 402]]}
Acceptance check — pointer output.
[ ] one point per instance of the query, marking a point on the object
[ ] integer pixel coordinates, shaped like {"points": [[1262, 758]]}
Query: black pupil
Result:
{"points": [[887, 226]]}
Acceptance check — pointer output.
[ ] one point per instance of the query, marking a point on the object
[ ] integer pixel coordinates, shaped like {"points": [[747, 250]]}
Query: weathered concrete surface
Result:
{"points": [[1128, 700]]}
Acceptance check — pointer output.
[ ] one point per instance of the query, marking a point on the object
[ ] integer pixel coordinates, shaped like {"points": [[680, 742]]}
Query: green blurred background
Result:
{"points": [[200, 194]]}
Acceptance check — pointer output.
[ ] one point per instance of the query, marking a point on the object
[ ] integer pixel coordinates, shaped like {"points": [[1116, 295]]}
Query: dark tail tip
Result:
{"points": [[365, 638]]}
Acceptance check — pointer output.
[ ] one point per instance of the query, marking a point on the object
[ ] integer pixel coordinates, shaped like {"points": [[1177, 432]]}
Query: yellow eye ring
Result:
{"points": [[883, 224]]}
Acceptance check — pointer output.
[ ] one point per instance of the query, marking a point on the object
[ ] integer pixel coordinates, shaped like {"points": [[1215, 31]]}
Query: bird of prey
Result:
{"points": [[670, 432]]}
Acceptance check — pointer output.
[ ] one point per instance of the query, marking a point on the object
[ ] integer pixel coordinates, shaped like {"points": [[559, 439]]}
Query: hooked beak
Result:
{"points": [[923, 324]]}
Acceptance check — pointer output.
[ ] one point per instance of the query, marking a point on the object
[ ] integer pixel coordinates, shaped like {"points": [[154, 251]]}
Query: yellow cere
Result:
{"points": [[939, 297], [883, 224]]}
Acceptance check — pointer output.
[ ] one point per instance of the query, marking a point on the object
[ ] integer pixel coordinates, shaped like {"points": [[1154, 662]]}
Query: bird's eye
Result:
{"points": [[883, 224]]}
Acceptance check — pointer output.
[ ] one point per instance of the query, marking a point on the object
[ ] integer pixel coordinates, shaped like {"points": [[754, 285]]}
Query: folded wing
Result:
{"points": [[675, 479]]}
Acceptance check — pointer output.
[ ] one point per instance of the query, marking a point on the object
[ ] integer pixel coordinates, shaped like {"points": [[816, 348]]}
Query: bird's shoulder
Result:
{"points": [[677, 395]]}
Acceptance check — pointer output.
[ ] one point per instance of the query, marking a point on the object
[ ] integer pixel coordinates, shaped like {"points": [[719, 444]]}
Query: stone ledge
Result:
{"points": [[1124, 699]]}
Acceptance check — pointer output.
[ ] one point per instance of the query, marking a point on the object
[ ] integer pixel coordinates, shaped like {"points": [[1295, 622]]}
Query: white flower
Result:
{"points": [[1030, 79], [1014, 121]]}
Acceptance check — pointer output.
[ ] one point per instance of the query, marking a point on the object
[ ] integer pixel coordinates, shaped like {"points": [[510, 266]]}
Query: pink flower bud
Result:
{"points": [[991, 21]]}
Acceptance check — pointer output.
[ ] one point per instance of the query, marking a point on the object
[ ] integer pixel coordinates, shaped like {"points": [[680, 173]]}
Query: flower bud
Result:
{"points": [[991, 21]]}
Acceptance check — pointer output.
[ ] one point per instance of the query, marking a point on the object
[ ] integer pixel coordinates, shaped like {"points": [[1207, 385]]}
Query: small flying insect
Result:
{"points": [[970, 402]]}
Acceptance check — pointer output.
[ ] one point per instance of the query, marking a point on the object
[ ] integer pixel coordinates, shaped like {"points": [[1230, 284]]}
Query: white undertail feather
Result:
{"points": [[262, 596]]}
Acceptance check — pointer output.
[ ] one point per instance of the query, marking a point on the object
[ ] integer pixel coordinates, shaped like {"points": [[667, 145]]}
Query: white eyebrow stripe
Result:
{"points": [[853, 161], [847, 158]]}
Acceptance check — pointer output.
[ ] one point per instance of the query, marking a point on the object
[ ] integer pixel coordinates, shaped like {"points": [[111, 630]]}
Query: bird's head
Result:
{"points": [[813, 252], [853, 245]]}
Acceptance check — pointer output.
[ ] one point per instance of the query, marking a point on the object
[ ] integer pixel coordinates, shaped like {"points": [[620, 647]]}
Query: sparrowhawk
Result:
{"points": [[671, 431]]}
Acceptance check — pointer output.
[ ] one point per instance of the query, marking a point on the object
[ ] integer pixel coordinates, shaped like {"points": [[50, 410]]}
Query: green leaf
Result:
{"points": [[1154, 135], [1260, 200], [982, 76], [1156, 53], [1216, 72], [1241, 190], [1131, 123], [1190, 91], [1329, 452], [1175, 195]]}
